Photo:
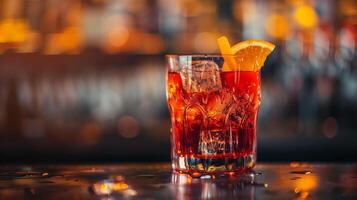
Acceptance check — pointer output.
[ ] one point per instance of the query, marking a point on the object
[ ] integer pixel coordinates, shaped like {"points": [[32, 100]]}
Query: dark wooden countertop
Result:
{"points": [[156, 181]]}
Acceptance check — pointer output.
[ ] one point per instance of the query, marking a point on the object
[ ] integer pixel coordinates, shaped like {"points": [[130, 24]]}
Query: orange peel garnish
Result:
{"points": [[248, 55]]}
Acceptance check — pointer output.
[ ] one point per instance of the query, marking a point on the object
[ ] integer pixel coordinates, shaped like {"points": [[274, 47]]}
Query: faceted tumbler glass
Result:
{"points": [[213, 114]]}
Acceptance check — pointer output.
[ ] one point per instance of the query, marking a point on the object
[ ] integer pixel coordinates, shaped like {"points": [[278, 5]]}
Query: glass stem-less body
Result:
{"points": [[213, 129]]}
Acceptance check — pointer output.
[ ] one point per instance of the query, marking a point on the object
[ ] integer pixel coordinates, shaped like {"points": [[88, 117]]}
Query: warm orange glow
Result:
{"points": [[13, 31], [114, 186], [71, 39], [305, 16], [205, 42], [306, 183], [119, 39], [67, 41], [151, 43], [118, 36], [277, 26], [110, 187], [196, 174], [304, 195]]}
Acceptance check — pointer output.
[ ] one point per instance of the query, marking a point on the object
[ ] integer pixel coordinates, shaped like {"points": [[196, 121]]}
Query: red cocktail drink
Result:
{"points": [[213, 115]]}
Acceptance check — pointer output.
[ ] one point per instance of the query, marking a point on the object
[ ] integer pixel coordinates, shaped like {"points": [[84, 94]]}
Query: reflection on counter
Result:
{"points": [[115, 185], [211, 187]]}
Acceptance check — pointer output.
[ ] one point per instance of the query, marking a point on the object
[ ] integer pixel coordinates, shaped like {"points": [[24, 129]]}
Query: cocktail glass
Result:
{"points": [[213, 114]]}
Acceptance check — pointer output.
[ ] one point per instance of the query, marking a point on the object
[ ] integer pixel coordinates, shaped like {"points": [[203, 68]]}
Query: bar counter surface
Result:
{"points": [[156, 181]]}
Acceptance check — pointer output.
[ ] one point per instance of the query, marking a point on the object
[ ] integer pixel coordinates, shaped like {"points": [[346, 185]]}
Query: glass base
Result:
{"points": [[203, 166]]}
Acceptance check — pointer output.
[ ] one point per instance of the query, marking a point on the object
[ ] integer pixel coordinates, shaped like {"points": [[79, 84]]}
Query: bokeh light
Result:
{"points": [[116, 38], [329, 127], [128, 127], [305, 16], [277, 26], [90, 133]]}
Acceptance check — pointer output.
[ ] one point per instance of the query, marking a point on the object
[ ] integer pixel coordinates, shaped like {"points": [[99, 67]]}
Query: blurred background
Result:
{"points": [[84, 80]]}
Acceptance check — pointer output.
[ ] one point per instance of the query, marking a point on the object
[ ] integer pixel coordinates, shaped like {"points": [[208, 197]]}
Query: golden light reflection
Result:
{"points": [[304, 185], [118, 185], [300, 181], [305, 16], [105, 187], [295, 164]]}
